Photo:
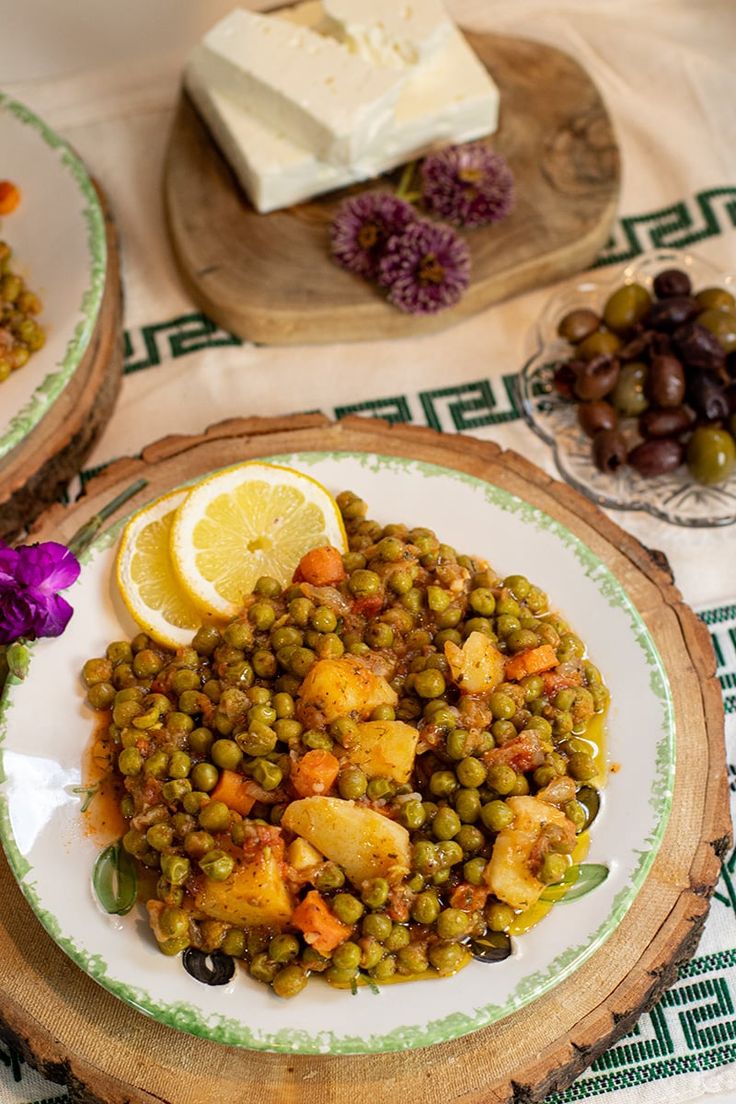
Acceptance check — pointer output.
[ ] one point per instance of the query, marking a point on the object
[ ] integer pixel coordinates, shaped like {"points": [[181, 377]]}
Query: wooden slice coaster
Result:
{"points": [[269, 278], [35, 472], [78, 1034]]}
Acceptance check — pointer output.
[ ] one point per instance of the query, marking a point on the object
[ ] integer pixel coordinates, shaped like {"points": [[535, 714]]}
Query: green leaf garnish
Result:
{"points": [[115, 880], [579, 880]]}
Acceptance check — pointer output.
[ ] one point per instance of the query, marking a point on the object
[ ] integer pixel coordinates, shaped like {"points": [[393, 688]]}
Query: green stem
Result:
{"points": [[84, 535], [404, 190]]}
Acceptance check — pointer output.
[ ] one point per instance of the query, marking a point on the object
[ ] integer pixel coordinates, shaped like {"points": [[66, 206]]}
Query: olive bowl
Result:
{"points": [[45, 728], [674, 497]]}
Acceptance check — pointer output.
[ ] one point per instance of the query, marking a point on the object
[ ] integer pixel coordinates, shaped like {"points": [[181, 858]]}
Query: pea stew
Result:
{"points": [[373, 773]]}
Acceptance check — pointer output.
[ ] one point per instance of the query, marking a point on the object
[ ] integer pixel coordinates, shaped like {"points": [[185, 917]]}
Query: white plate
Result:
{"points": [[57, 235], [46, 727]]}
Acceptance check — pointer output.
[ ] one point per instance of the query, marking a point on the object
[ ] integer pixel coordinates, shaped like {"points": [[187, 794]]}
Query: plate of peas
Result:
{"points": [[399, 795], [52, 268]]}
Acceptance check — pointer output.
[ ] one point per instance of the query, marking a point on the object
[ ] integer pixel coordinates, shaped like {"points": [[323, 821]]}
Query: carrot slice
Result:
{"points": [[315, 773], [322, 930], [234, 791], [9, 197], [531, 662], [320, 567]]}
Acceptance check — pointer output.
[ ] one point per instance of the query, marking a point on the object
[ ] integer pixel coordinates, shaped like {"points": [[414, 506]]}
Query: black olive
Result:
{"points": [[217, 971], [672, 283], [590, 799], [491, 947], [699, 348], [668, 314], [708, 398]]}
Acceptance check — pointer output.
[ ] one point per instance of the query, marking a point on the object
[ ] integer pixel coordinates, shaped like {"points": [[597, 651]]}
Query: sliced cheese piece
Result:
{"points": [[451, 98], [393, 33], [304, 85]]}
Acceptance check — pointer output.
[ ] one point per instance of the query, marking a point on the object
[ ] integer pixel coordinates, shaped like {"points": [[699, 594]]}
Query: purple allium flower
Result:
{"points": [[467, 185], [30, 576], [363, 225], [426, 268]]}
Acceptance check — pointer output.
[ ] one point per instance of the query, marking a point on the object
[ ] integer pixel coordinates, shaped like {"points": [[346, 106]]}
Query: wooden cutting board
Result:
{"points": [[269, 278], [36, 471], [80, 1035]]}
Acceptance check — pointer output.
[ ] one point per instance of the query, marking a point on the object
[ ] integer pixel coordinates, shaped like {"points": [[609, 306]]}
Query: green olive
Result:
{"points": [[711, 455], [625, 307], [600, 343], [722, 324], [715, 298], [629, 394]]}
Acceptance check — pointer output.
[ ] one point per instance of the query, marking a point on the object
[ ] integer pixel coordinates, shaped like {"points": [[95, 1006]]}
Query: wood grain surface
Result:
{"points": [[269, 278], [35, 472], [80, 1035]]}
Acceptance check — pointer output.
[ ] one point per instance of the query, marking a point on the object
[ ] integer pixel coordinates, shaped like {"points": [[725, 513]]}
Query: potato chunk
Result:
{"points": [[255, 895], [341, 686], [477, 667], [384, 749], [363, 842], [510, 873]]}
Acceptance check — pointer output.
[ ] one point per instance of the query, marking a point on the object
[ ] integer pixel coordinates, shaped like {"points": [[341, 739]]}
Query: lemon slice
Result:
{"points": [[146, 578], [251, 520]]}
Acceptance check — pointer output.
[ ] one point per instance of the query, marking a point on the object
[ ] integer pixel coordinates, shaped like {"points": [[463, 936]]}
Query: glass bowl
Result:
{"points": [[674, 497]]}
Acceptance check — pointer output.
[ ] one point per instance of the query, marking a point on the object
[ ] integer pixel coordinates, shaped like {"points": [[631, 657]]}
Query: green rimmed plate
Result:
{"points": [[52, 859], [57, 236]]}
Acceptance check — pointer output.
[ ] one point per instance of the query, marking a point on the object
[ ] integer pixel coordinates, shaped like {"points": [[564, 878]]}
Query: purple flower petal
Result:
{"points": [[51, 615], [8, 562], [47, 567], [467, 185], [17, 615], [425, 269], [363, 225]]}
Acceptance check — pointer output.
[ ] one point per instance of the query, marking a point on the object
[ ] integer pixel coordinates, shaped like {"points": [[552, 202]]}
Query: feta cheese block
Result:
{"points": [[450, 98], [393, 33], [306, 86]]}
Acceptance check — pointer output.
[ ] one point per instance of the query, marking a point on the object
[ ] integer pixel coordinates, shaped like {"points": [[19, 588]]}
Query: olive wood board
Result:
{"points": [[37, 470], [80, 1035], [270, 279]]}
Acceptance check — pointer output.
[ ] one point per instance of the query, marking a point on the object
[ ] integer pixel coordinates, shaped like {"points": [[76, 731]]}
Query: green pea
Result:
{"points": [[226, 754], [577, 813], [160, 836], [426, 907], [156, 765], [449, 852], [412, 815], [384, 969], [474, 871], [522, 640], [96, 671], [377, 925], [214, 817], [363, 583], [347, 908], [496, 815], [262, 969], [119, 651], [501, 778], [446, 824], [467, 805], [313, 738], [267, 587], [499, 916], [323, 619], [179, 724], [351, 783], [234, 943], [268, 775], [284, 706], [582, 767], [329, 877], [217, 865], [482, 601], [204, 777], [502, 706], [200, 741], [399, 937], [179, 765], [130, 761], [471, 772], [452, 924], [443, 783], [194, 801], [553, 868], [519, 586], [424, 857], [289, 981], [378, 788], [147, 663], [206, 640], [283, 948], [447, 958], [175, 868], [287, 730], [481, 625], [347, 956]]}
